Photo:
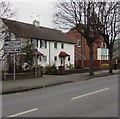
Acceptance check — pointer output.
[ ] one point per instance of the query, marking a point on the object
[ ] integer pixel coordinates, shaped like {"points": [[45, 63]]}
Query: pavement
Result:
{"points": [[11, 86]]}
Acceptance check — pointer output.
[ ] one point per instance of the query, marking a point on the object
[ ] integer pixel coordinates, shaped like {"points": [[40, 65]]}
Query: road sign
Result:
{"points": [[12, 46], [103, 51], [12, 50]]}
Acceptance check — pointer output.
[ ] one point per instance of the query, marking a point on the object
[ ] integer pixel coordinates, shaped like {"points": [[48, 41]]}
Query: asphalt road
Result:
{"points": [[92, 98]]}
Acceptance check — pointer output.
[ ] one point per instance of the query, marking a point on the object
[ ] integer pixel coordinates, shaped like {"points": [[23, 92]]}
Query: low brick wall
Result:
{"points": [[73, 71], [76, 71], [20, 76]]}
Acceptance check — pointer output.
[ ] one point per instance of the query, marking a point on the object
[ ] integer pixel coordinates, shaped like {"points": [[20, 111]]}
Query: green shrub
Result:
{"points": [[105, 66], [50, 69], [70, 66]]}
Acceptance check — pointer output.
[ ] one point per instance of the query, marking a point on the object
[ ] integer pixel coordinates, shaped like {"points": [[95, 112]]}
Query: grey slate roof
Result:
{"points": [[30, 31]]}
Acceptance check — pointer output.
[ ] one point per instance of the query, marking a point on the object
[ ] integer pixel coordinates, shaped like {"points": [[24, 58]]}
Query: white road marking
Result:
{"points": [[21, 113], [90, 93]]}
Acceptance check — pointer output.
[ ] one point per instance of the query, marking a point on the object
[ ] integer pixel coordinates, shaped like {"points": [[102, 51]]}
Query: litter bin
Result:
{"points": [[115, 66]]}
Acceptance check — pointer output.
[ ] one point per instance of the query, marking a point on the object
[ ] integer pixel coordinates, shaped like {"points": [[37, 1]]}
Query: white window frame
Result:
{"points": [[43, 43], [62, 45], [43, 58], [78, 43], [55, 45]]}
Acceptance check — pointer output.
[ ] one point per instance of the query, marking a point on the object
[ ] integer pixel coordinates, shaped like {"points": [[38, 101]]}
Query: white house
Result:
{"points": [[53, 46]]}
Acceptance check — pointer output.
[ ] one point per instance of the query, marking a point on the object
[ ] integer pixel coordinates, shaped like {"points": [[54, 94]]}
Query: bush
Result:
{"points": [[50, 69], [32, 68], [105, 66], [70, 66]]}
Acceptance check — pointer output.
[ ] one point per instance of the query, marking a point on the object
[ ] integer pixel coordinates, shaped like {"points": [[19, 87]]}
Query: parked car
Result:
{"points": [[25, 67]]}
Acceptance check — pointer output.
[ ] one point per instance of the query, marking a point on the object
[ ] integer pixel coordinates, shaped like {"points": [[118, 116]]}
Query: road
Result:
{"points": [[97, 97]]}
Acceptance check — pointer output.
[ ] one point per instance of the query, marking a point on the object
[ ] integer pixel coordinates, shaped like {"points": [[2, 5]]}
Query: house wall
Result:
{"points": [[68, 48], [51, 52], [84, 49]]}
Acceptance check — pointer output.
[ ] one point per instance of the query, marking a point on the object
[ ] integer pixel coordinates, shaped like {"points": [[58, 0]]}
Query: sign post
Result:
{"points": [[12, 46], [5, 67], [14, 64], [35, 64]]}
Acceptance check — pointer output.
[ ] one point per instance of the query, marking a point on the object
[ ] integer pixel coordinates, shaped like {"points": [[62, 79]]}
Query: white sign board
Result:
{"points": [[12, 46], [103, 51]]}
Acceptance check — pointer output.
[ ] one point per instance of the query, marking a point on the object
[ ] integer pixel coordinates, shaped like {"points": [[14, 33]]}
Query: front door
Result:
{"points": [[63, 61]]}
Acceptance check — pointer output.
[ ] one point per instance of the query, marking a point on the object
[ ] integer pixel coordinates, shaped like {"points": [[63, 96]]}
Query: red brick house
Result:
{"points": [[82, 49]]}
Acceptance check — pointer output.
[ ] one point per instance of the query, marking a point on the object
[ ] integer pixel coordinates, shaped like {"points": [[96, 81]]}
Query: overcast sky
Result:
{"points": [[29, 10]]}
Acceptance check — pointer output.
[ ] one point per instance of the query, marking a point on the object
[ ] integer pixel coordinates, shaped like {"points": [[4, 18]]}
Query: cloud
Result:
{"points": [[29, 11]]}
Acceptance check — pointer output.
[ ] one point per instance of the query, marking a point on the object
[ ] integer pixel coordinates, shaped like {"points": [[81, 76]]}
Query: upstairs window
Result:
{"points": [[103, 44], [62, 45], [35, 42], [79, 43], [43, 44], [55, 44]]}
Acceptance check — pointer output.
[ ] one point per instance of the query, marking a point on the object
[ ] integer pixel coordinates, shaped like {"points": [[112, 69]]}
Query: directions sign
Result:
{"points": [[12, 46]]}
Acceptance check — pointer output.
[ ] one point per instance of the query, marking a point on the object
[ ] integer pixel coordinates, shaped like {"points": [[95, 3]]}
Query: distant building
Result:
{"points": [[53, 46], [82, 49]]}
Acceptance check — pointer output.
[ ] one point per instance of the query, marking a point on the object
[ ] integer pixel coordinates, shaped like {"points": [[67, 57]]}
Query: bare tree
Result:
{"points": [[82, 15], [5, 12], [109, 18]]}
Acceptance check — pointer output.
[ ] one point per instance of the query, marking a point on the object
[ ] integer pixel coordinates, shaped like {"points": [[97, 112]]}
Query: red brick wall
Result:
{"points": [[20, 76], [84, 49], [97, 63]]}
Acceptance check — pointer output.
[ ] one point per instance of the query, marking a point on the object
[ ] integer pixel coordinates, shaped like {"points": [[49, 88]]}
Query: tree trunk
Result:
{"points": [[110, 61], [91, 63]]}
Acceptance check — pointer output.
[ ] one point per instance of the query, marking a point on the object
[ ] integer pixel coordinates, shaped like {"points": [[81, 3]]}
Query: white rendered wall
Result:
{"points": [[51, 52]]}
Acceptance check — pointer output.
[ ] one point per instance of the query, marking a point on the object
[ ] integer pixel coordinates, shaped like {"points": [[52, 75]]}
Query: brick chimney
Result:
{"points": [[36, 23]]}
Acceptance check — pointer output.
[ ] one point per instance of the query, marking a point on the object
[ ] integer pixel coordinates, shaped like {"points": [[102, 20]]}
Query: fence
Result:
{"points": [[85, 63]]}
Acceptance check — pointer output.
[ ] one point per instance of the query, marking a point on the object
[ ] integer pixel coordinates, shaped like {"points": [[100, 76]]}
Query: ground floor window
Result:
{"points": [[55, 58], [43, 58], [68, 58]]}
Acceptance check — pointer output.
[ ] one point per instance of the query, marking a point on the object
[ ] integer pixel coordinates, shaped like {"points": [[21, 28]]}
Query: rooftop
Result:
{"points": [[26, 30]]}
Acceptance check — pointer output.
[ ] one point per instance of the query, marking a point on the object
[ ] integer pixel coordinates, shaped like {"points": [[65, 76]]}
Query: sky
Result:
{"points": [[29, 10]]}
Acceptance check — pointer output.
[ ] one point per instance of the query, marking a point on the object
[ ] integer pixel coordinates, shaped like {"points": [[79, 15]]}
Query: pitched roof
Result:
{"points": [[30, 31]]}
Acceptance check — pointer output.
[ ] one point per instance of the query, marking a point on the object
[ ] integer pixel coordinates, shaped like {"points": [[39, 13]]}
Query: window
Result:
{"points": [[103, 44], [55, 58], [55, 44], [43, 44], [79, 43], [35, 42], [40, 58], [62, 45], [68, 58], [43, 58]]}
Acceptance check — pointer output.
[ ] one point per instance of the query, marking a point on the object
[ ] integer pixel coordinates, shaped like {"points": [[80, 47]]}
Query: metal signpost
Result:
{"points": [[12, 46]]}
